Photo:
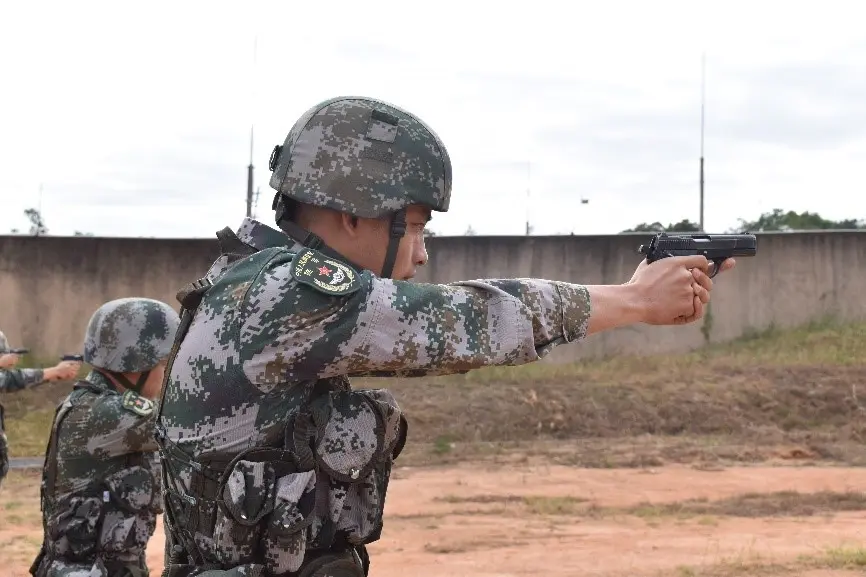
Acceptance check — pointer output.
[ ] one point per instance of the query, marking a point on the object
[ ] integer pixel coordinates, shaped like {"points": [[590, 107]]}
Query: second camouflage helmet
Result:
{"points": [[130, 335], [363, 157]]}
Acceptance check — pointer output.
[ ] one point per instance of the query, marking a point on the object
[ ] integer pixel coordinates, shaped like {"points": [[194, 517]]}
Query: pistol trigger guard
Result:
{"points": [[717, 266]]}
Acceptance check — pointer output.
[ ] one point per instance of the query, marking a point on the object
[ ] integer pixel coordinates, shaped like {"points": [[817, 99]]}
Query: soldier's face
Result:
{"points": [[372, 243]]}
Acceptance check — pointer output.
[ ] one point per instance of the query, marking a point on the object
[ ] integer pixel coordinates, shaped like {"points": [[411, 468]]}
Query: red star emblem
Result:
{"points": [[323, 270]]}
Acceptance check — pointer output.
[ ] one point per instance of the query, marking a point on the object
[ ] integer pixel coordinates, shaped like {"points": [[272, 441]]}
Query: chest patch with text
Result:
{"points": [[324, 274]]}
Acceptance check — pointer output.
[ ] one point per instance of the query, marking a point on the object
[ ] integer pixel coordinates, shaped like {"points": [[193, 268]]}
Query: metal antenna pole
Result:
{"points": [[252, 125], [703, 101], [528, 188]]}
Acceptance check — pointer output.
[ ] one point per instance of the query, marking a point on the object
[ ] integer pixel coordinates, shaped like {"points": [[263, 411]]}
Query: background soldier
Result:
{"points": [[272, 464], [100, 480], [12, 380]]}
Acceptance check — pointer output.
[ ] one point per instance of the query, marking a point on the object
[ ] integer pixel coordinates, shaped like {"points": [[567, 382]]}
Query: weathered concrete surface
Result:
{"points": [[50, 286]]}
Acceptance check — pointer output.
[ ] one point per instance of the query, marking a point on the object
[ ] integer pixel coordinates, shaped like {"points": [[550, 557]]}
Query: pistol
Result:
{"points": [[715, 247], [78, 358]]}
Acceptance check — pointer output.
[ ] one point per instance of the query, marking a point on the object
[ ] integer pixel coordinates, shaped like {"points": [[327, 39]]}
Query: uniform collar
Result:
{"points": [[261, 236], [96, 378]]}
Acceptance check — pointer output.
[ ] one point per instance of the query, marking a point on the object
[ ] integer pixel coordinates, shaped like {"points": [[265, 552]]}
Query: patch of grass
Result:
{"points": [[21, 516], [554, 505], [838, 558], [753, 505], [750, 397], [28, 417], [845, 558], [483, 499], [703, 511]]}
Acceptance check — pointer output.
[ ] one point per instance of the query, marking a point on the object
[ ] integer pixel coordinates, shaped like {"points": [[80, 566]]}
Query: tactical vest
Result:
{"points": [[4, 447], [89, 528], [305, 508]]}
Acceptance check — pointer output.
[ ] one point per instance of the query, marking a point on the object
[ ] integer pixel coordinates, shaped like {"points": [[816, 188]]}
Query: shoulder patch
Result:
{"points": [[135, 403], [324, 274]]}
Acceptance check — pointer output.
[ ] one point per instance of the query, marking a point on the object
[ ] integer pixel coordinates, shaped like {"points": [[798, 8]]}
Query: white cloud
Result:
{"points": [[136, 120]]}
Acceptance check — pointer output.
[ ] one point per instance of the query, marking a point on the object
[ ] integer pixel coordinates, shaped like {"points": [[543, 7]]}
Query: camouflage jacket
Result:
{"points": [[12, 380], [100, 481], [16, 379], [277, 323]]}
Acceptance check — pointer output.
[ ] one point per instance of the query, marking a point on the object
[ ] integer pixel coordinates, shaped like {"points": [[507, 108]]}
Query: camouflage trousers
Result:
{"points": [[4, 449], [337, 564], [98, 568], [4, 456]]}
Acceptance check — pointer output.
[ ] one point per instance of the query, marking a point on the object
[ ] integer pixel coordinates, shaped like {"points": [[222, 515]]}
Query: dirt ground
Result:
{"points": [[494, 520]]}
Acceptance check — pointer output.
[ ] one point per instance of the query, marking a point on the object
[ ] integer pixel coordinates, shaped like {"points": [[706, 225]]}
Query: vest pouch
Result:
{"points": [[362, 432], [59, 568], [246, 495], [285, 540], [251, 570], [128, 521], [74, 528]]}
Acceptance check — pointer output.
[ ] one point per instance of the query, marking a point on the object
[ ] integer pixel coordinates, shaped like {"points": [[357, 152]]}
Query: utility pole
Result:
{"points": [[252, 125], [703, 100], [250, 178], [528, 188]]}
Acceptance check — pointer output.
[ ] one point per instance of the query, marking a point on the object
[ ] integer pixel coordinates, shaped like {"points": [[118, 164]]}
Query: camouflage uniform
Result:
{"points": [[272, 464], [12, 380], [100, 482]]}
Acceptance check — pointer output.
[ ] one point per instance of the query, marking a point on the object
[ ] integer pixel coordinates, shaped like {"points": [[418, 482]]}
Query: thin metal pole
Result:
{"points": [[703, 101]]}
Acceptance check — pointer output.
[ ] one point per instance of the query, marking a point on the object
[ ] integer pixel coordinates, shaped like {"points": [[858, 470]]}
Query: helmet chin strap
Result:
{"points": [[120, 377], [398, 230], [315, 242]]}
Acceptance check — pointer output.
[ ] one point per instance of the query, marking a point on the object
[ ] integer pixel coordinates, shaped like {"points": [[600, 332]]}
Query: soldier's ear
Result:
{"points": [[350, 224]]}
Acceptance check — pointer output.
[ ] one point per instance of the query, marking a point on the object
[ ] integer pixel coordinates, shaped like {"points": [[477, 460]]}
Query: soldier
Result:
{"points": [[13, 380], [100, 481], [272, 464]]}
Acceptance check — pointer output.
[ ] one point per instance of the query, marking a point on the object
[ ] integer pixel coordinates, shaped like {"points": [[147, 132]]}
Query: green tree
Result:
{"points": [[685, 225], [779, 220], [37, 224]]}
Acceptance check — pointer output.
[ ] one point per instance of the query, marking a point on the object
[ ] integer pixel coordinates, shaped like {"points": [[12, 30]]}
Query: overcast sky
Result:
{"points": [[136, 122]]}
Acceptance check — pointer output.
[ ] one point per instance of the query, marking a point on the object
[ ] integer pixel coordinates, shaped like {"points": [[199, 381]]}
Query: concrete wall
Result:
{"points": [[50, 286]]}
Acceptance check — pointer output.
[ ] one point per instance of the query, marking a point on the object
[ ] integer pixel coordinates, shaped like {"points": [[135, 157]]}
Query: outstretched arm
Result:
{"points": [[290, 332], [12, 380]]}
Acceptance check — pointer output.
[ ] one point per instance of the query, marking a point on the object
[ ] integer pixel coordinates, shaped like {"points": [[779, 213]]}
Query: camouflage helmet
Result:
{"points": [[4, 343], [130, 335], [363, 157]]}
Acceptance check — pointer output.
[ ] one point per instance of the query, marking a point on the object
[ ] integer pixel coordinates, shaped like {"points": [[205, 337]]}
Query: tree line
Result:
{"points": [[775, 220]]}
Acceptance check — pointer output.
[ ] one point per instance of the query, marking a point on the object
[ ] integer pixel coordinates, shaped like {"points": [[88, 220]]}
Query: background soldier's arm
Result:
{"points": [[17, 379]]}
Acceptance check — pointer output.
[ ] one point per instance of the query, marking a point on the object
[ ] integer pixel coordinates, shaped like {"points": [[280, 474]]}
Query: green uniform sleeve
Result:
{"points": [[16, 379], [115, 430], [295, 331]]}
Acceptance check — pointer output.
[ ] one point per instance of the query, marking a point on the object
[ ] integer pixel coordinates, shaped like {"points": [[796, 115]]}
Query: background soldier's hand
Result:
{"points": [[64, 371], [8, 360], [674, 290]]}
